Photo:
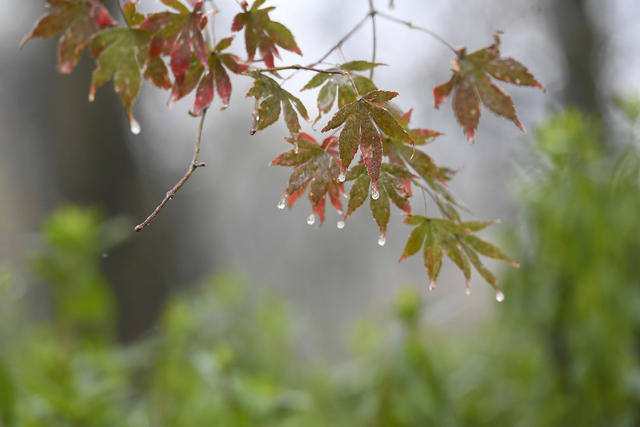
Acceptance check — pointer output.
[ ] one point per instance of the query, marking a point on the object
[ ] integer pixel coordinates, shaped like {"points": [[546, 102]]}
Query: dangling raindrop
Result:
{"points": [[282, 203], [295, 147], [432, 284], [467, 290], [499, 296], [342, 177], [375, 194], [382, 240], [135, 127], [311, 219], [340, 225], [339, 211]]}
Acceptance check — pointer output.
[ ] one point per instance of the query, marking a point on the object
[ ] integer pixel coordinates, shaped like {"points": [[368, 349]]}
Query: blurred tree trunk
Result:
{"points": [[578, 38]]}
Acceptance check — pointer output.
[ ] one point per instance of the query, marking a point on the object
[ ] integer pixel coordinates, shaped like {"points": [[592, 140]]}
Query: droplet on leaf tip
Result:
{"points": [[340, 225], [467, 289], [311, 219], [282, 203], [342, 177], [432, 284], [382, 240], [375, 194], [135, 127], [499, 296]]}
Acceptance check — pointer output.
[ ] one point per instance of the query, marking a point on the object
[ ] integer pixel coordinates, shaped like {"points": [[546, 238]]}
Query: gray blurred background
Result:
{"points": [[56, 147]]}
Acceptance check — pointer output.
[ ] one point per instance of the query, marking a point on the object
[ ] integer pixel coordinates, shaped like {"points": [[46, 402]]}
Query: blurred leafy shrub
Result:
{"points": [[562, 350]]}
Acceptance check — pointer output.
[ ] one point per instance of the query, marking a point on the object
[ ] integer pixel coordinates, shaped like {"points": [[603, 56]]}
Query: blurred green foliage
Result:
{"points": [[562, 350]]}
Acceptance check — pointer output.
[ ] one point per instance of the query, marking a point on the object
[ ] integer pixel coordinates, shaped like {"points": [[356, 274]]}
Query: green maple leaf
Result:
{"points": [[263, 34], [406, 155], [274, 100], [438, 236], [121, 54], [316, 167], [394, 186], [79, 20], [340, 86], [472, 83], [364, 119]]}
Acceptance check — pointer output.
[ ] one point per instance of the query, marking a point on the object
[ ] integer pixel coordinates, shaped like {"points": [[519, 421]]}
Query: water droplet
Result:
{"points": [[342, 177], [467, 290], [432, 284], [382, 240], [311, 219], [339, 211], [135, 127], [282, 203], [499, 296], [375, 194], [105, 255], [295, 147], [340, 225]]}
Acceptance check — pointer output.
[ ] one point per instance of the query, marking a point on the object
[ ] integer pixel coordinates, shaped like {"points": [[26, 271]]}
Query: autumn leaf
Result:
{"points": [[121, 54], [394, 186], [316, 167], [178, 35], [206, 81], [79, 20], [472, 84], [263, 34], [273, 99], [364, 119], [340, 86], [439, 236]]}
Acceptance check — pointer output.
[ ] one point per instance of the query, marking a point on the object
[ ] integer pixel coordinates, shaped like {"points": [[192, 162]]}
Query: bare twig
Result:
{"points": [[342, 40], [372, 13], [301, 67], [418, 28], [195, 164]]}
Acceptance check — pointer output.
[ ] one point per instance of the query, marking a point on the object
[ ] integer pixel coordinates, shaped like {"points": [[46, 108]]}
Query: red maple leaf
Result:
{"points": [[178, 35], [262, 33], [316, 167], [79, 20], [472, 84]]}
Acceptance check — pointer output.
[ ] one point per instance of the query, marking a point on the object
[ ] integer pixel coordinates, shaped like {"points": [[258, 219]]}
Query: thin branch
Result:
{"points": [[418, 28], [195, 164], [342, 40], [300, 67], [372, 13]]}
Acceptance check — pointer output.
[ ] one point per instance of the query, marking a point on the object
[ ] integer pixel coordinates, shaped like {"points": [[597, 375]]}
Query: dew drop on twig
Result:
{"points": [[432, 284], [499, 296], [382, 240], [340, 225]]}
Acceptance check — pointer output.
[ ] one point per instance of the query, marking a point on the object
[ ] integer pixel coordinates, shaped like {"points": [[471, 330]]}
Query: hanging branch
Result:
{"points": [[418, 28], [195, 164], [372, 13]]}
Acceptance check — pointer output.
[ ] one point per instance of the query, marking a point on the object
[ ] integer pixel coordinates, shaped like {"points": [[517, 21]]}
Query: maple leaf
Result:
{"points": [[121, 54], [363, 121], [405, 154], [394, 186], [274, 100], [178, 35], [263, 34], [440, 236], [79, 20], [215, 78], [340, 87], [316, 167], [472, 83]]}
